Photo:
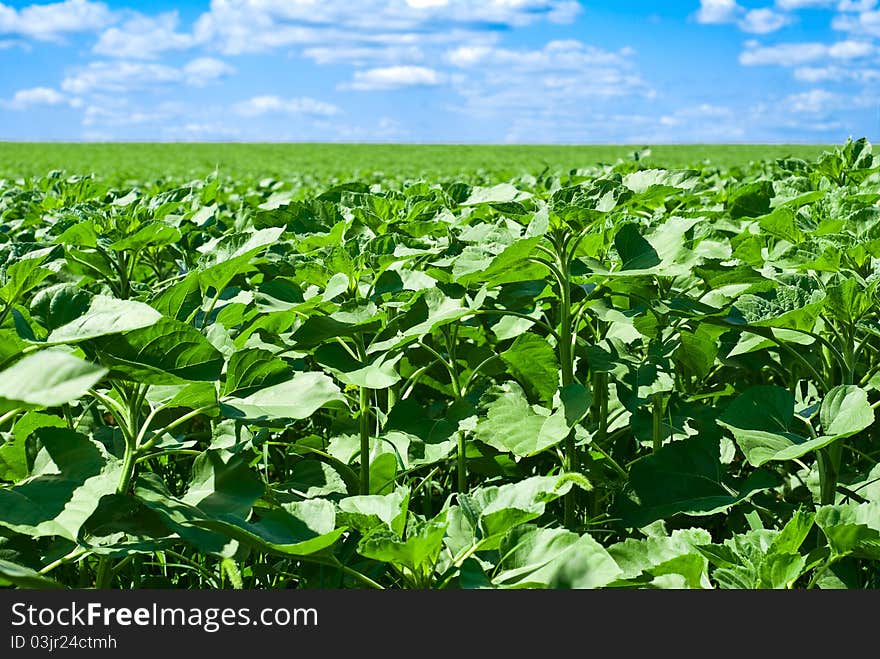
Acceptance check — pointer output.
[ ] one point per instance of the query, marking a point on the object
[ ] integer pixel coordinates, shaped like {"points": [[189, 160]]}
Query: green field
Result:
{"points": [[139, 161], [295, 376]]}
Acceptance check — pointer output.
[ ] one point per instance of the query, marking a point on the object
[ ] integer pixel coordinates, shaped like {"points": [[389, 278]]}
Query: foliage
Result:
{"points": [[619, 376]]}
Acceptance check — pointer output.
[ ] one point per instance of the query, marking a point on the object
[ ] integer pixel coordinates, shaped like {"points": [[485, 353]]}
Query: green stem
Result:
{"points": [[657, 420], [829, 472], [11, 414], [566, 362], [462, 463], [365, 439]]}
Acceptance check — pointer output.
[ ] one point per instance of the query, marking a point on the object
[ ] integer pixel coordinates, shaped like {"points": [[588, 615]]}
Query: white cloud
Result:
{"points": [[836, 74], [112, 111], [205, 70], [52, 21], [714, 12], [851, 49], [763, 21], [25, 99], [144, 37], [702, 112], [562, 88], [815, 101], [122, 76], [561, 55], [14, 43], [856, 5], [794, 5], [260, 105], [866, 23], [840, 5], [394, 77], [793, 54], [754, 21], [248, 26], [361, 55]]}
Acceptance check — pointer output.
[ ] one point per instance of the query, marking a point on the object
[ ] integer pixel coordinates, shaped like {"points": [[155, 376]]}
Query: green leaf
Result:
{"points": [[500, 508], [297, 398], [13, 454], [512, 425], [105, 316], [366, 512], [69, 477], [750, 200], [167, 352], [222, 485], [418, 552], [760, 417], [532, 361], [684, 477], [852, 529], [540, 558], [24, 577], [232, 254], [299, 529], [253, 369], [635, 252], [48, 378], [657, 556], [380, 373], [845, 411], [154, 234]]}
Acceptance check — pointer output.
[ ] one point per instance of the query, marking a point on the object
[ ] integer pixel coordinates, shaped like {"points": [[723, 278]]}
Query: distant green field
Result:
{"points": [[146, 160]]}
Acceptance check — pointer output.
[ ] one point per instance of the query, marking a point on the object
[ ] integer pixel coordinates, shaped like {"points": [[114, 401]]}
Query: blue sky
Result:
{"points": [[494, 71]]}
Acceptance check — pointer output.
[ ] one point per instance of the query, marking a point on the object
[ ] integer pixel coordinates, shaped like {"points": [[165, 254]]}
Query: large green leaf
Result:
{"points": [[24, 577], [105, 316], [48, 378], [553, 558], [299, 529], [759, 421], [297, 398], [70, 475], [852, 529], [511, 424], [497, 509], [167, 352], [532, 360], [660, 556], [685, 477]]}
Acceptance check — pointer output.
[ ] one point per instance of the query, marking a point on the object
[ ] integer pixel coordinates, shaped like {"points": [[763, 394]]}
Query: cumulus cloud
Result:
{"points": [[793, 54], [362, 54], [205, 70], [51, 22], [866, 23], [244, 26], [713, 12], [561, 88], [794, 5], [815, 101], [144, 37], [260, 105], [763, 21], [26, 99], [754, 21], [394, 77], [122, 76], [836, 74]]}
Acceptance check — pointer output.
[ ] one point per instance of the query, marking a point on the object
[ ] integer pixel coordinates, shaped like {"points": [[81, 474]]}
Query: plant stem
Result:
{"points": [[657, 421], [829, 471], [462, 463], [365, 439]]}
